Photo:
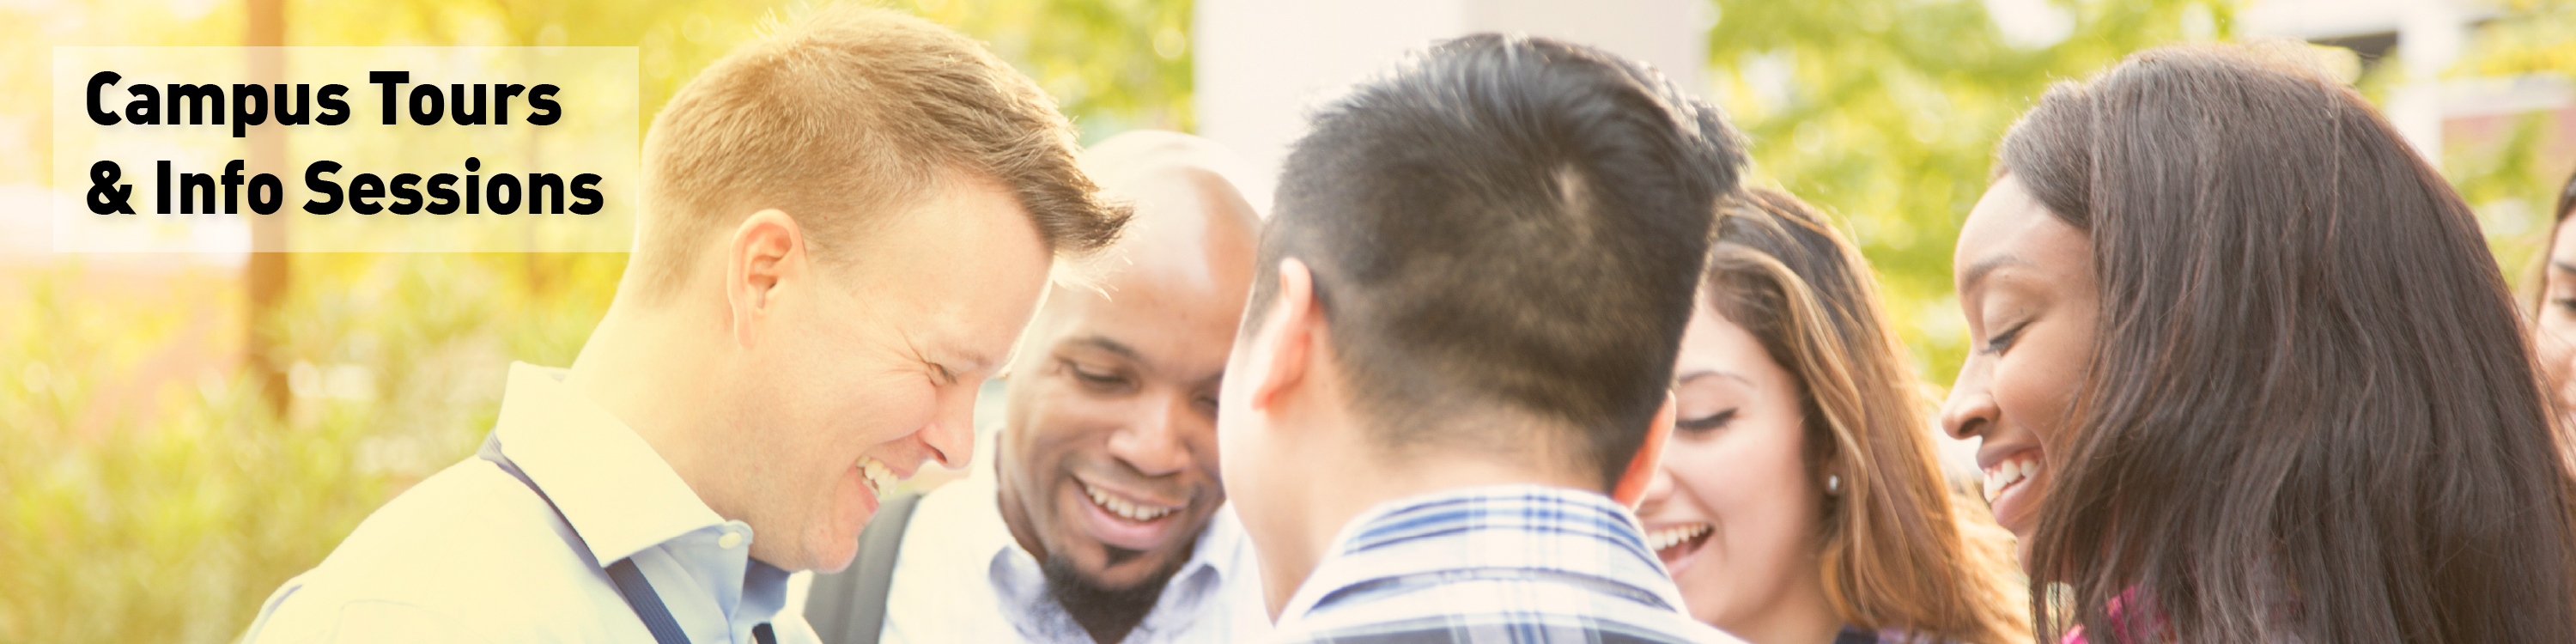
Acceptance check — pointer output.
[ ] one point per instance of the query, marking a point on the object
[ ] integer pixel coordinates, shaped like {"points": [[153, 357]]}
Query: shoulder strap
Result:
{"points": [[1854, 635], [848, 607], [623, 574]]}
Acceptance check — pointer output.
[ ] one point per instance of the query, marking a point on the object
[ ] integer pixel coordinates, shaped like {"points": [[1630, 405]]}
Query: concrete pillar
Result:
{"points": [[1262, 64], [2430, 34]]}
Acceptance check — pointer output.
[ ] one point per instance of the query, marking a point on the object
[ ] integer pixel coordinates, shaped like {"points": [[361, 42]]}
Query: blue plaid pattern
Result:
{"points": [[1511, 563]]}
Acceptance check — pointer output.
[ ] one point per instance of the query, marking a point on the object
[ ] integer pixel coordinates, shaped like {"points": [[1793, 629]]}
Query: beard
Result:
{"points": [[1108, 614]]}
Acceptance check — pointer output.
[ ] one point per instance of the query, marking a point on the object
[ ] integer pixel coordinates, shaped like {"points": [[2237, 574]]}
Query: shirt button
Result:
{"points": [[729, 540]]}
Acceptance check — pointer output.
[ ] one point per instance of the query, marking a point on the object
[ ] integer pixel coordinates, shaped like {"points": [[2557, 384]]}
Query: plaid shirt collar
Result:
{"points": [[1560, 534]]}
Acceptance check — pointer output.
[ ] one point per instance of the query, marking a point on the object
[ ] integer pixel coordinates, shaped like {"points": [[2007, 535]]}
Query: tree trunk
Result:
{"points": [[266, 275]]}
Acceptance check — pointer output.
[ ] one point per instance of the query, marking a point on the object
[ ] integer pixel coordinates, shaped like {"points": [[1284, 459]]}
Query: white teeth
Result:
{"points": [[1123, 507], [2008, 473], [878, 477], [1669, 537]]}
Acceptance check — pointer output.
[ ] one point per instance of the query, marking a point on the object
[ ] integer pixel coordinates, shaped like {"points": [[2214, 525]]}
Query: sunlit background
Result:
{"points": [[180, 433]]}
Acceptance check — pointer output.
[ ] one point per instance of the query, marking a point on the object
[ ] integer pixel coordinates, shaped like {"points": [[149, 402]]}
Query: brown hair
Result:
{"points": [[842, 116], [2311, 414], [2539, 273], [2567, 198], [1899, 550]]}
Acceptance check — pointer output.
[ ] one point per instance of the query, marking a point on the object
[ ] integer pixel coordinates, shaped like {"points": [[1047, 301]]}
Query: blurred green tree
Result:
{"points": [[1887, 112], [165, 513], [167, 516], [2512, 177]]}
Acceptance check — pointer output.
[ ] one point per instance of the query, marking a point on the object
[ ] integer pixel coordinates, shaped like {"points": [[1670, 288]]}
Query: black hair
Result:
{"points": [[1506, 223]]}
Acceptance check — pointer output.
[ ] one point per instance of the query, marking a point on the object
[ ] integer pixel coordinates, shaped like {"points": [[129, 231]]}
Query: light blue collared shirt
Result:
{"points": [[472, 555], [1499, 563]]}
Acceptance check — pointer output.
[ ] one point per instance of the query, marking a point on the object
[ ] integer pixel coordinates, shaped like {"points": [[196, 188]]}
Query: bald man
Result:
{"points": [[1101, 518]]}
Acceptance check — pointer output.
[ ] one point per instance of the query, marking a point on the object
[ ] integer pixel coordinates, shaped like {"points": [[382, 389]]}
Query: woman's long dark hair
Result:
{"points": [[2311, 414]]}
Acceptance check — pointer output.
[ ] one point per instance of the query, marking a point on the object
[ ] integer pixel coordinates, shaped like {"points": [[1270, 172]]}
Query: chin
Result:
{"points": [[835, 561]]}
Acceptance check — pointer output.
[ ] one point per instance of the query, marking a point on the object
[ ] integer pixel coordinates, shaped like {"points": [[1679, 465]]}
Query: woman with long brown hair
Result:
{"points": [[2554, 323], [1799, 500], [2245, 371]]}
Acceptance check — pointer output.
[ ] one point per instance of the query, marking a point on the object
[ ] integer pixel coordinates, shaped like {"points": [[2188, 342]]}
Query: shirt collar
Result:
{"points": [[1522, 526], [610, 485], [1018, 578]]}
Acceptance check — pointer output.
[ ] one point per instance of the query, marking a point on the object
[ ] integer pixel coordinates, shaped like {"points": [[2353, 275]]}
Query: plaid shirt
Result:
{"points": [[1510, 563]]}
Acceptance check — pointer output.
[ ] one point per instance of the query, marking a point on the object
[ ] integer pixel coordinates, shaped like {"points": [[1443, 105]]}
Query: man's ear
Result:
{"points": [[1294, 321], [1650, 456], [766, 251]]}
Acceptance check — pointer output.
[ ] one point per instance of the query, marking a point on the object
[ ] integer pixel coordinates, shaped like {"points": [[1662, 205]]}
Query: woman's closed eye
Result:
{"points": [[2003, 340], [1705, 424]]}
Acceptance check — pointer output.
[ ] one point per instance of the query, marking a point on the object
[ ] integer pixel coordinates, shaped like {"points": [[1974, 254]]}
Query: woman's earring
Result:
{"points": [[1833, 484]]}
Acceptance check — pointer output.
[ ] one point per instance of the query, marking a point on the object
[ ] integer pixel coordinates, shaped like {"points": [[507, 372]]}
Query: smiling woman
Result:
{"points": [[1799, 501], [2246, 372]]}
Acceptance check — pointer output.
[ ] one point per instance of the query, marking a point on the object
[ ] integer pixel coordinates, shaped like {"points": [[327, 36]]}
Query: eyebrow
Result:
{"points": [[2562, 265], [1977, 272], [1695, 375], [1104, 343], [963, 360]]}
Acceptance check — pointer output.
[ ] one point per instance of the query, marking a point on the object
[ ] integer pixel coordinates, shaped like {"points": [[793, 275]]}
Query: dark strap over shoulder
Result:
{"points": [[1854, 635], [623, 574], [848, 607]]}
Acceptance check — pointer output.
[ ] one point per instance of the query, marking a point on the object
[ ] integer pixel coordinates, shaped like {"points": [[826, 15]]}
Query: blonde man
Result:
{"points": [[846, 225]]}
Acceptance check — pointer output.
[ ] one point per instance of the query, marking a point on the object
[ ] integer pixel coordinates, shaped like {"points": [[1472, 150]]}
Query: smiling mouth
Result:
{"points": [[2009, 475], [1123, 507], [1671, 544], [877, 475]]}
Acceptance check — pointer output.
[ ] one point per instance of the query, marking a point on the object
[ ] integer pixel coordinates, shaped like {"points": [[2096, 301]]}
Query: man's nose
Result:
{"points": [[951, 434], [1155, 438]]}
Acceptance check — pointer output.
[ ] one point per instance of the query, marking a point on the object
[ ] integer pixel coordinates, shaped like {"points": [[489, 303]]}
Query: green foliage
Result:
{"points": [[1113, 65], [165, 513], [138, 505], [1887, 111], [2513, 178]]}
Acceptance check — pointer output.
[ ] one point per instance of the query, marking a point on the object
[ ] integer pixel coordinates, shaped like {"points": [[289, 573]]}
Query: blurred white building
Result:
{"points": [[2427, 37], [1261, 64]]}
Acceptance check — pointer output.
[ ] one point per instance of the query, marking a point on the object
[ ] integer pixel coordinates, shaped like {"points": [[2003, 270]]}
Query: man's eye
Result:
{"points": [[1092, 378], [2567, 304], [1705, 424]]}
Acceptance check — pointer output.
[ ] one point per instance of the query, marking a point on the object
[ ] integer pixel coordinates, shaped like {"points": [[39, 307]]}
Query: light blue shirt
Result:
{"points": [[961, 577], [472, 555], [1500, 563]]}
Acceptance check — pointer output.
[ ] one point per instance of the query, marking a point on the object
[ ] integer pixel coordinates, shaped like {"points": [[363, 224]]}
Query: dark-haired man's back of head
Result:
{"points": [[1470, 292], [1495, 236]]}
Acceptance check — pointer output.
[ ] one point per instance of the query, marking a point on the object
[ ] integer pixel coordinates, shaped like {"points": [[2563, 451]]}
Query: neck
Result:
{"points": [[632, 367], [1345, 487]]}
